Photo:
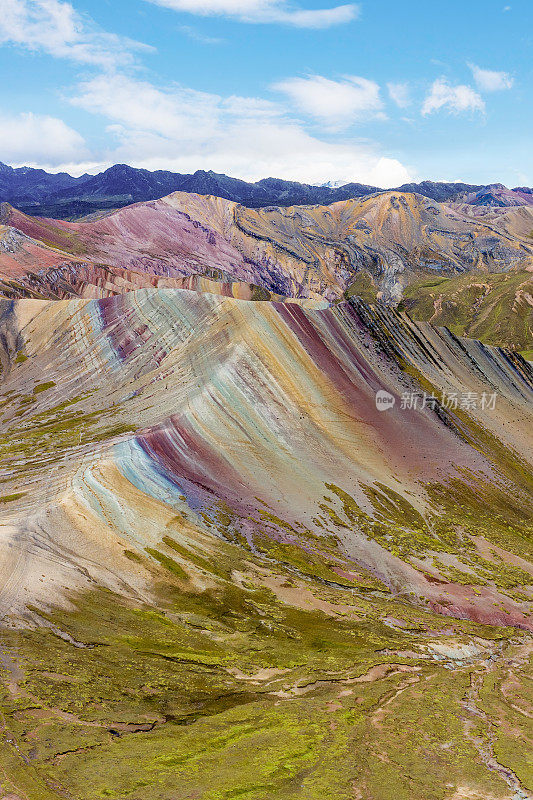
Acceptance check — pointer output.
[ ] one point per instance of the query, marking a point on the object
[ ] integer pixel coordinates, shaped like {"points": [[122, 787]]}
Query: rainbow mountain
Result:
{"points": [[259, 540]]}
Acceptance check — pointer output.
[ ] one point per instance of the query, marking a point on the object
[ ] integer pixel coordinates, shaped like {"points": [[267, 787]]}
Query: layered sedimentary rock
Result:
{"points": [[99, 281], [494, 307], [222, 402], [260, 550], [301, 251]]}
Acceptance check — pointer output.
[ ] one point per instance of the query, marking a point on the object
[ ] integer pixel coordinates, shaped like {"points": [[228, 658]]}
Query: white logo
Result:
{"points": [[384, 400]]}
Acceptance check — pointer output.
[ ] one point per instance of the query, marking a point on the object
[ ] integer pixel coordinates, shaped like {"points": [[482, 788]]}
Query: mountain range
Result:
{"points": [[268, 550], [62, 196], [301, 252]]}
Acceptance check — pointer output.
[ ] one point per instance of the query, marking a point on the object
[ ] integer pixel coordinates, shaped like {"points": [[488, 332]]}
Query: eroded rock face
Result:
{"points": [[190, 396], [243, 543], [226, 568], [301, 251]]}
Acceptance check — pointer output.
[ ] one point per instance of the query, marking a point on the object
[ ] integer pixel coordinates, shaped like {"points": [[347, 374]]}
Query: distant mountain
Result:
{"points": [[291, 193], [312, 252], [128, 184], [524, 192], [441, 192], [332, 184], [122, 185], [27, 185], [62, 196], [495, 194]]}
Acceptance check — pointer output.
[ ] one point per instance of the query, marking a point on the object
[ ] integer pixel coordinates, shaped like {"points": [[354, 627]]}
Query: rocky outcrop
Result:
{"points": [[301, 252]]}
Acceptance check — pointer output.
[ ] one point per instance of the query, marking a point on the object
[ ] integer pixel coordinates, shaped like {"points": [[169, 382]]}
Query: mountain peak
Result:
{"points": [[120, 169], [64, 196]]}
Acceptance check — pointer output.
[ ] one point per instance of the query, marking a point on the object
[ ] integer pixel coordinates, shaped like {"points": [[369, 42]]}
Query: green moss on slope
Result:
{"points": [[496, 308]]}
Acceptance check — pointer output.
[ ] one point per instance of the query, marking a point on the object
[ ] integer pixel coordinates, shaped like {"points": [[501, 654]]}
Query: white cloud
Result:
{"points": [[456, 99], [489, 80], [30, 139], [196, 36], [336, 103], [178, 113], [267, 11], [179, 128], [182, 130], [54, 27], [399, 93]]}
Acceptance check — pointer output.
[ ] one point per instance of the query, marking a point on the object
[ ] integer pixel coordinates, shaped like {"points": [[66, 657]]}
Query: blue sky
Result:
{"points": [[381, 91]]}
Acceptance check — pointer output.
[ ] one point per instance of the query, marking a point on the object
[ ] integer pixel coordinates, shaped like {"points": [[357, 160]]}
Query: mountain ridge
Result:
{"points": [[215, 544], [314, 252], [62, 196]]}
